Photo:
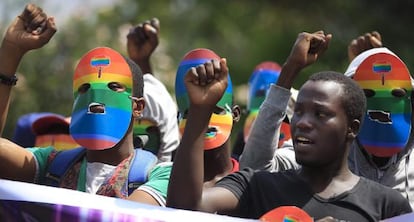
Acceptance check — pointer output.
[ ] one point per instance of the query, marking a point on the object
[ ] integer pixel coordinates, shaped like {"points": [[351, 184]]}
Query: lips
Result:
{"points": [[303, 140], [96, 108], [379, 116]]}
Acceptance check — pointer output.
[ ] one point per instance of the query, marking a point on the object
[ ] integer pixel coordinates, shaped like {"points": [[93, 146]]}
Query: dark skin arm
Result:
{"points": [[363, 43], [305, 51], [206, 85], [142, 40], [30, 30]]}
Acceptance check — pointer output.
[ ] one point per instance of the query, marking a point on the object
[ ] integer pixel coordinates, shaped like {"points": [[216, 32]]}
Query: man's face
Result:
{"points": [[319, 124], [102, 109], [221, 121], [387, 86]]}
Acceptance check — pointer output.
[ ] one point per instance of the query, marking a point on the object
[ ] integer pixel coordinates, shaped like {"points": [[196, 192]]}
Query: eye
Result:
{"points": [[84, 88], [297, 112], [400, 92], [321, 114], [219, 110], [369, 93], [116, 86]]}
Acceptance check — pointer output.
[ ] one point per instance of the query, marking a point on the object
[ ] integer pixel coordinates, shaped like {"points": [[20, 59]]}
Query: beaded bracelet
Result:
{"points": [[8, 80]]}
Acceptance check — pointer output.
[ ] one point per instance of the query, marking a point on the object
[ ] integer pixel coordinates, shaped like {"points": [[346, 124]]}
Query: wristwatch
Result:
{"points": [[8, 80]]}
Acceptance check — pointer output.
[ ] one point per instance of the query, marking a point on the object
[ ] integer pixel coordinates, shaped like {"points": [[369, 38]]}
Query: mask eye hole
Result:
{"points": [[116, 86], [84, 88], [369, 93], [400, 92], [219, 110]]}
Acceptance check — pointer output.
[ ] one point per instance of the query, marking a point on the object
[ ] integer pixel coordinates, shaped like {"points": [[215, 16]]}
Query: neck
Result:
{"points": [[114, 155], [217, 163], [330, 179]]}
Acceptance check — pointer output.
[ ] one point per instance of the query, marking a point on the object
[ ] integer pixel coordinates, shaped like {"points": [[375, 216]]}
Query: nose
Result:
{"points": [[301, 122]]}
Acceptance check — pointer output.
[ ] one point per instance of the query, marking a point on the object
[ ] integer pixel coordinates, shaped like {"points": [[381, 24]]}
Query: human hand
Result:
{"points": [[207, 83], [307, 48], [142, 40], [363, 43], [32, 29]]}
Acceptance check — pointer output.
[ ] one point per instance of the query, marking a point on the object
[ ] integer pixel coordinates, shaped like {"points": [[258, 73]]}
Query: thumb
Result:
{"points": [[155, 23], [224, 70], [50, 29]]}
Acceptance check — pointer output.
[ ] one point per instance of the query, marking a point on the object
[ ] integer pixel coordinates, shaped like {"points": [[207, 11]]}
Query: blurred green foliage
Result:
{"points": [[245, 32]]}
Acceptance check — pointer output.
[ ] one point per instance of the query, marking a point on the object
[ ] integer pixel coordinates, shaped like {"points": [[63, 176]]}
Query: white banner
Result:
{"points": [[30, 202]]}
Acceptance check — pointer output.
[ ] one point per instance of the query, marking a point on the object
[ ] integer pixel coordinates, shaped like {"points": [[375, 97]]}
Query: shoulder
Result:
{"points": [[382, 193], [162, 169], [389, 200]]}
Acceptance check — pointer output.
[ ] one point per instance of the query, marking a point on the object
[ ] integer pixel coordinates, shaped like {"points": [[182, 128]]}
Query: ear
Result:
{"points": [[236, 112], [138, 105], [353, 129]]}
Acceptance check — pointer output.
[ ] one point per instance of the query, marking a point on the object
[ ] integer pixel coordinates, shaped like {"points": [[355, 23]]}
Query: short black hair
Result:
{"points": [[137, 78], [353, 98]]}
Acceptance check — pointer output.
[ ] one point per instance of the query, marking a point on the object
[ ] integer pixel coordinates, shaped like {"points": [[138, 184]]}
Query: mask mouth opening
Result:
{"points": [[379, 116], [96, 108]]}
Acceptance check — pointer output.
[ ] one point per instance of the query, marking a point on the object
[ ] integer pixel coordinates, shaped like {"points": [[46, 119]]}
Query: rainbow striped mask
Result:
{"points": [[147, 132], [264, 74], [58, 141], [387, 85], [220, 124], [96, 70], [284, 133]]}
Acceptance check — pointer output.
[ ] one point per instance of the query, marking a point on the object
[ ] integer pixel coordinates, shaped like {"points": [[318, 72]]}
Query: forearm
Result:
{"points": [[145, 65], [187, 175], [287, 74], [10, 57]]}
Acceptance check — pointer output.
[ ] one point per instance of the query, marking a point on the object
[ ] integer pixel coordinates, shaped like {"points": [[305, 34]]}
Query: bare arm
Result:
{"points": [[30, 30], [16, 163], [206, 85]]}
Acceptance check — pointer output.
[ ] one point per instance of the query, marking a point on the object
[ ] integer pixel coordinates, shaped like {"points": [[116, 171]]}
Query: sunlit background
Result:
{"points": [[245, 32]]}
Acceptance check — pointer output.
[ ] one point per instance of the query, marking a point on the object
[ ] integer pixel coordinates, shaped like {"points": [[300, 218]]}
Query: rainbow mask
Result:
{"points": [[58, 141], [98, 68], [284, 134], [220, 124], [148, 133], [387, 85], [265, 74]]}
